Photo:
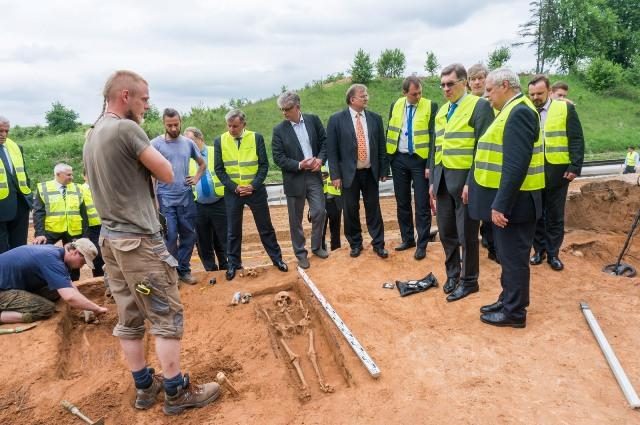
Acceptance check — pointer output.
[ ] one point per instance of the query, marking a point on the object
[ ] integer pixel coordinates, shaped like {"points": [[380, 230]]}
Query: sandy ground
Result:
{"points": [[439, 364]]}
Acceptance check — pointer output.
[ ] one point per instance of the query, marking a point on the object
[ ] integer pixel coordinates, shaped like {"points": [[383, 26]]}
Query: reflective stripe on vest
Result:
{"points": [[631, 159], [92, 213], [488, 159], [15, 156], [421, 120], [556, 142], [455, 139], [218, 187], [329, 188], [241, 164], [62, 215]]}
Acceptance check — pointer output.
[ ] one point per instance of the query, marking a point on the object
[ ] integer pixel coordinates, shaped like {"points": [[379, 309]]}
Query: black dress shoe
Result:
{"points": [[537, 258], [405, 245], [355, 251], [382, 253], [281, 265], [555, 263], [230, 273], [420, 254], [450, 285], [498, 318], [462, 291], [496, 306]]}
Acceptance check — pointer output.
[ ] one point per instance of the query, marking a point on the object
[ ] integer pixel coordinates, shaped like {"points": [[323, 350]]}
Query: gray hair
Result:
{"points": [[4, 120], [351, 92], [499, 75], [477, 69], [60, 167], [288, 99], [195, 131], [458, 68], [235, 113]]}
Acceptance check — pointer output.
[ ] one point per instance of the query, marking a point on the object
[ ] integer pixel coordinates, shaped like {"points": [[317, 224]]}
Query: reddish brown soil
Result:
{"points": [[439, 364]]}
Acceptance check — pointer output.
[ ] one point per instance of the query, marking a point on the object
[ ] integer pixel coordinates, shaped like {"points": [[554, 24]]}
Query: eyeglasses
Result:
{"points": [[287, 109], [449, 84]]}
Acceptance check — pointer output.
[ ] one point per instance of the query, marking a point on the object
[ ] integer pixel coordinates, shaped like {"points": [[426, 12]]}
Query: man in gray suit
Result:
{"points": [[299, 149], [357, 161], [459, 124]]}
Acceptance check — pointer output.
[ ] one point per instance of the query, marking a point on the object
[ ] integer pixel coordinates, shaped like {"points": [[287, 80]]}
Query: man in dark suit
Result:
{"points": [[508, 178], [241, 164], [357, 161], [459, 124], [563, 157], [410, 136], [15, 195], [299, 149]]}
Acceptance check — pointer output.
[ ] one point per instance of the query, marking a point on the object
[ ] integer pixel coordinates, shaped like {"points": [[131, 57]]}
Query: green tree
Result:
{"points": [[431, 65], [362, 68], [538, 31], [625, 39], [602, 74], [391, 63], [152, 114], [499, 57], [61, 119]]}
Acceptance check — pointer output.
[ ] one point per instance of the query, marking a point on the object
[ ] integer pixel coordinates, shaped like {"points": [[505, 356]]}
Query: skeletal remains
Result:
{"points": [[288, 328]]}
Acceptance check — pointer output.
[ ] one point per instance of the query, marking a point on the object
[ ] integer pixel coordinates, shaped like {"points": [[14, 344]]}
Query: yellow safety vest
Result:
{"points": [[556, 142], [631, 160], [420, 126], [15, 156], [62, 214], [240, 164], [455, 139], [329, 188], [92, 212], [218, 187], [488, 159]]}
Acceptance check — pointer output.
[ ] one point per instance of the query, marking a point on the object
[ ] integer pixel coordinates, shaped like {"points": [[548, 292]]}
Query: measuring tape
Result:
{"points": [[366, 360]]}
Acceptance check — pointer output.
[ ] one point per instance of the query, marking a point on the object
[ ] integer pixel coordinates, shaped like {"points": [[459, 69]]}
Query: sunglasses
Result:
{"points": [[449, 84]]}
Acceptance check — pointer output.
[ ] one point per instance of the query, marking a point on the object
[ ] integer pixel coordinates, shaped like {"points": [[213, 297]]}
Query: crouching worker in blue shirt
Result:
{"points": [[33, 277]]}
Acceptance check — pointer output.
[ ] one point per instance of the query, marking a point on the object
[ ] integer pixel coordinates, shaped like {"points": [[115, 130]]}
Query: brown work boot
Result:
{"points": [[190, 395], [188, 279], [145, 398]]}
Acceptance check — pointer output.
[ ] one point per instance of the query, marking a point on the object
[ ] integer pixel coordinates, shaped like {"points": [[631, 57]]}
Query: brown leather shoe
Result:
{"points": [[190, 395], [145, 398]]}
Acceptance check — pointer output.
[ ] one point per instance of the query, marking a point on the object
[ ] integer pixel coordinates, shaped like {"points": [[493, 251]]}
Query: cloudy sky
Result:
{"points": [[203, 53]]}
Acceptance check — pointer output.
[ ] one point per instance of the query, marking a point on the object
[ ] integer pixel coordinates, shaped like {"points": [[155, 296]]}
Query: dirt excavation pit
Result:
{"points": [[438, 363]]}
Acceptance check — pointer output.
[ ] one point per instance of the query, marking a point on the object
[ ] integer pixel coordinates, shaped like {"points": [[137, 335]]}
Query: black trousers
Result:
{"points": [[365, 183], [550, 227], [211, 232], [93, 233], [260, 210], [53, 238], [514, 247], [407, 170], [332, 220], [457, 230], [14, 233], [486, 232]]}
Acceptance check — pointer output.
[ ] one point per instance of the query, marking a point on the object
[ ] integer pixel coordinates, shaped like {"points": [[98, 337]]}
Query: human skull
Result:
{"points": [[282, 299]]}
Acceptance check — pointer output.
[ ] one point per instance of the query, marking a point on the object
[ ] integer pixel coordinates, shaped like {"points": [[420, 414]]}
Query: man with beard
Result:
{"points": [[175, 199], [563, 156], [120, 162]]}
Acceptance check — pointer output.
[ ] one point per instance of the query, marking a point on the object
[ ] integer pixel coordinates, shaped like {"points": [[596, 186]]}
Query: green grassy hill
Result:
{"points": [[610, 122]]}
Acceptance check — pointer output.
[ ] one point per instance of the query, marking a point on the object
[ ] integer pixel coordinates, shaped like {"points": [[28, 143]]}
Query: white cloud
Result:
{"points": [[204, 53]]}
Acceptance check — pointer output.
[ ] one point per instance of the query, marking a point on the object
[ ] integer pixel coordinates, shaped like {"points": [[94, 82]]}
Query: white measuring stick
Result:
{"points": [[614, 364], [351, 339]]}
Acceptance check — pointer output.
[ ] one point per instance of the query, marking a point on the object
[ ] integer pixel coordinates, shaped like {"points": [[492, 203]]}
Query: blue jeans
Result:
{"points": [[181, 233]]}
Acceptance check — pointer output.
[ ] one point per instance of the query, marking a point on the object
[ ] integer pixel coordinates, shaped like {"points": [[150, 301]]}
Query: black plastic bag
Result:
{"points": [[408, 287]]}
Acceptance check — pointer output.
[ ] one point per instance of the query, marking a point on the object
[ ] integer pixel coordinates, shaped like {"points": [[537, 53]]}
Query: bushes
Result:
{"points": [[602, 74], [362, 68]]}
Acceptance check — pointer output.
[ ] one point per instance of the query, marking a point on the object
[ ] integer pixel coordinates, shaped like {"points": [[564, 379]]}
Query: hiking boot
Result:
{"points": [[145, 398], [188, 279], [190, 395]]}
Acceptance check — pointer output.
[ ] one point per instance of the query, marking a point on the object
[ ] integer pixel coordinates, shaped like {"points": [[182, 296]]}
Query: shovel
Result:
{"points": [[75, 411]]}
